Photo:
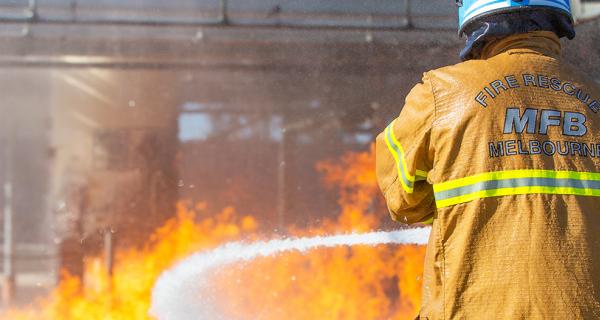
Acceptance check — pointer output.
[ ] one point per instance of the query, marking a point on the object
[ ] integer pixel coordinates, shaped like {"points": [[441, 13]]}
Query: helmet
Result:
{"points": [[471, 10]]}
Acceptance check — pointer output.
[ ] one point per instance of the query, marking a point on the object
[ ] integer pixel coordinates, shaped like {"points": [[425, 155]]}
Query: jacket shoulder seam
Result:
{"points": [[433, 93], [428, 78]]}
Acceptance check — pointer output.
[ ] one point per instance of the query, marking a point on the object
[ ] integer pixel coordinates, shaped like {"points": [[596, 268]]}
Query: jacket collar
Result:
{"points": [[540, 42]]}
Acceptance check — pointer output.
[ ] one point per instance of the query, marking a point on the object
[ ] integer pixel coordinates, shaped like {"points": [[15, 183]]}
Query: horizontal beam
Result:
{"points": [[390, 15], [236, 48], [233, 23]]}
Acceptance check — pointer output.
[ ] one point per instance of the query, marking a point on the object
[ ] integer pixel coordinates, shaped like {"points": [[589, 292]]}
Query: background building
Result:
{"points": [[585, 9], [113, 110]]}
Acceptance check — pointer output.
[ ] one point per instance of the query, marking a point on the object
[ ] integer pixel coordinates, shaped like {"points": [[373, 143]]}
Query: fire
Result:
{"points": [[343, 283], [127, 295]]}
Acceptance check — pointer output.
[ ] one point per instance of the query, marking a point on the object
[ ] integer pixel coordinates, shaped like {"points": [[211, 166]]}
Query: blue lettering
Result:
{"points": [[581, 97], [549, 118], [529, 79], [512, 82], [520, 148], [574, 124], [543, 81], [571, 90], [510, 147], [496, 151], [513, 122], [489, 92], [497, 84], [594, 106], [534, 147], [562, 153], [575, 148], [555, 84], [588, 149], [545, 146], [481, 99]]}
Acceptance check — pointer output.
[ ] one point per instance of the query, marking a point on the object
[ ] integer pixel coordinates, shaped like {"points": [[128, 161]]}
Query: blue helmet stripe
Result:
{"points": [[562, 4], [483, 9], [474, 8], [556, 3], [481, 3]]}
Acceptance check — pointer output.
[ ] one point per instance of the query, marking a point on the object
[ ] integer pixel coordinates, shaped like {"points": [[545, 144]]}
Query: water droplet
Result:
{"points": [[180, 183], [131, 103], [61, 205]]}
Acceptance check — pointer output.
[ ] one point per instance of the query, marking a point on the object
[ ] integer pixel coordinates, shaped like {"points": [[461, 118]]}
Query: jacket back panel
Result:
{"points": [[517, 228]]}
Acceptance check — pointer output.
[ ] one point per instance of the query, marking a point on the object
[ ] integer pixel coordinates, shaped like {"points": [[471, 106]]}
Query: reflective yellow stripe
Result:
{"points": [[421, 174], [406, 179], [428, 221], [516, 182], [511, 174], [402, 153], [516, 191], [397, 158]]}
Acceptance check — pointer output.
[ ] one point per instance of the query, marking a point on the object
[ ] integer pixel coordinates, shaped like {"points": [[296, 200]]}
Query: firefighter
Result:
{"points": [[501, 155]]}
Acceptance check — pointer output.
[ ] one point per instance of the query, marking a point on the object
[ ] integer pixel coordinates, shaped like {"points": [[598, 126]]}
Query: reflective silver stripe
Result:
{"points": [[517, 182]]}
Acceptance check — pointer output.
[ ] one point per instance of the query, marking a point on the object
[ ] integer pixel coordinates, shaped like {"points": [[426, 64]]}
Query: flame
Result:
{"points": [[342, 283]]}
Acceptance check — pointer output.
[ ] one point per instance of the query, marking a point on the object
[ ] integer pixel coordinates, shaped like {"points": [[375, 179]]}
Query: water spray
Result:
{"points": [[180, 293]]}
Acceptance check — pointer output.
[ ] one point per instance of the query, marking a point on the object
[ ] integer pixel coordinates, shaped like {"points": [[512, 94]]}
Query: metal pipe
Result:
{"points": [[49, 63], [195, 23], [408, 13], [282, 181], [32, 9], [8, 287], [109, 252], [224, 18]]}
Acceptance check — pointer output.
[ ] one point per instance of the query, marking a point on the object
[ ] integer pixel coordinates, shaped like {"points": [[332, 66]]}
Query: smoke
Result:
{"points": [[183, 292]]}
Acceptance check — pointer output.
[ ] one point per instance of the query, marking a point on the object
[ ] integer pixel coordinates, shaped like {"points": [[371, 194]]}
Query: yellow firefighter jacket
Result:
{"points": [[503, 155]]}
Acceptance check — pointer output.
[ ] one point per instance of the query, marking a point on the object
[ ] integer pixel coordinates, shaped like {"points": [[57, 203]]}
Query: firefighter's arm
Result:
{"points": [[404, 157]]}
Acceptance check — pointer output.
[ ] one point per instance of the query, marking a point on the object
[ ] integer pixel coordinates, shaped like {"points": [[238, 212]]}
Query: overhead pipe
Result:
{"points": [[408, 13], [32, 9], [224, 18], [8, 285], [32, 16], [221, 21]]}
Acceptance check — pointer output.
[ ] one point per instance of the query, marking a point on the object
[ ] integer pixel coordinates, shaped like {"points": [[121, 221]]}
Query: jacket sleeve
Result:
{"points": [[404, 156]]}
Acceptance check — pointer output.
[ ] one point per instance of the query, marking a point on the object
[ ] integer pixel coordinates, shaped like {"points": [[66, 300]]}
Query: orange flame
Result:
{"points": [[380, 282]]}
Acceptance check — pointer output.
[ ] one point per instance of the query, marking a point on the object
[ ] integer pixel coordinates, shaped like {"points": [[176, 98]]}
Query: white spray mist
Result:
{"points": [[181, 292]]}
